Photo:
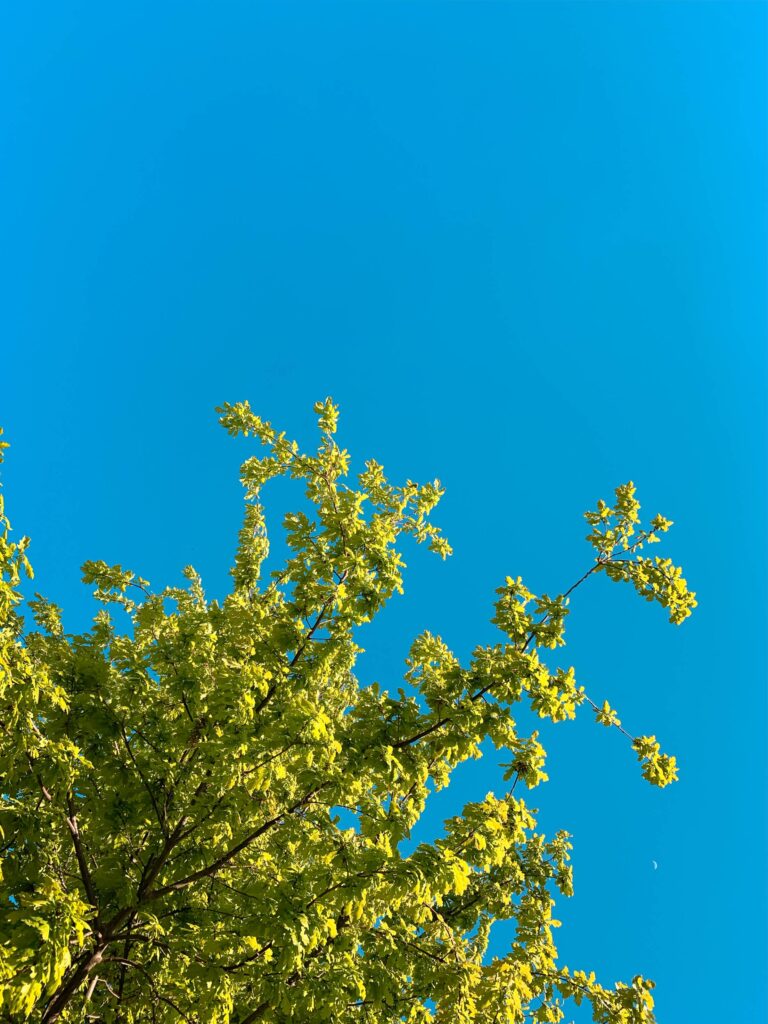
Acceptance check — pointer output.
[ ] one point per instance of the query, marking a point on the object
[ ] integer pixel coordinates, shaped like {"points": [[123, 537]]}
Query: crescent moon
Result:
{"points": [[655, 865]]}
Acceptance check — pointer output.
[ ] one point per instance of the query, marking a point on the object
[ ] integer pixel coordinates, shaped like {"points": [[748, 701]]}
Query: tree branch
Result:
{"points": [[482, 692], [225, 858], [82, 863], [147, 787], [67, 989]]}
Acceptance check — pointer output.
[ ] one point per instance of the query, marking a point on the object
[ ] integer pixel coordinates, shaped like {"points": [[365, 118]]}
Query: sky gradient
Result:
{"points": [[524, 247]]}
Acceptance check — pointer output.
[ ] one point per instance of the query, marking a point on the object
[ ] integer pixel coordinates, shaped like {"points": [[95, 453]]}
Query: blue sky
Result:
{"points": [[524, 247]]}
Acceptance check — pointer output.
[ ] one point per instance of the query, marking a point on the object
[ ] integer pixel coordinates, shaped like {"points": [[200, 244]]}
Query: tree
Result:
{"points": [[172, 848]]}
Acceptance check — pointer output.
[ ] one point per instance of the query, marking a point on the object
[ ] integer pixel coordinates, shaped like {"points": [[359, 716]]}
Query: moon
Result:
{"points": [[655, 865]]}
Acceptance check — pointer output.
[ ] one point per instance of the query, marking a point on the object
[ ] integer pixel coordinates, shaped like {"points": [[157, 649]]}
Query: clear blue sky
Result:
{"points": [[524, 247]]}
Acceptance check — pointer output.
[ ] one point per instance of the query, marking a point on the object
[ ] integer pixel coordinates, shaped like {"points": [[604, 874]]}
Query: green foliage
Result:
{"points": [[655, 579], [173, 846]]}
